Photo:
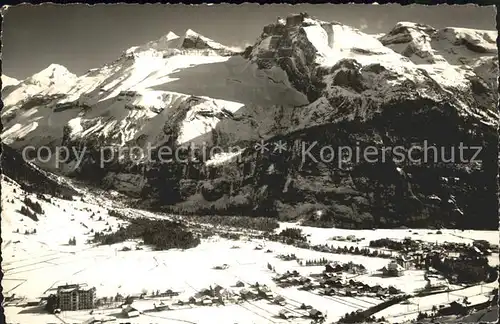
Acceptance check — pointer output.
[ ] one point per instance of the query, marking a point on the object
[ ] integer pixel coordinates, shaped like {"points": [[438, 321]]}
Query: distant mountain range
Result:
{"points": [[8, 81], [303, 81]]}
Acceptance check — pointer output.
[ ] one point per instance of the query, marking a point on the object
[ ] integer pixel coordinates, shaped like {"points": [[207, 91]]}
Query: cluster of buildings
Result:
{"points": [[293, 278], [290, 279], [213, 295], [312, 313], [421, 255], [257, 291], [221, 295], [364, 251], [332, 282]]}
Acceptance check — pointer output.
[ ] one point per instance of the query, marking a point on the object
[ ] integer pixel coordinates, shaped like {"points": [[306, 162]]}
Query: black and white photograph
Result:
{"points": [[249, 164]]}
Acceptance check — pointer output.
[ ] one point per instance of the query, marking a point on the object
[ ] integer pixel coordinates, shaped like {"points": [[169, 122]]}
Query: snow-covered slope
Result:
{"points": [[451, 53], [8, 81], [60, 215]]}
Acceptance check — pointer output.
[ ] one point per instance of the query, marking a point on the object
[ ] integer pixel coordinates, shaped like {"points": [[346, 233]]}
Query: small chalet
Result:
{"points": [[316, 314], [119, 298], [376, 288], [194, 300], [329, 291], [393, 290], [280, 300], [307, 286], [304, 306], [284, 314], [265, 292], [222, 267], [454, 308], [32, 302], [333, 267], [247, 294], [206, 301], [259, 247], [130, 312], [218, 290]]}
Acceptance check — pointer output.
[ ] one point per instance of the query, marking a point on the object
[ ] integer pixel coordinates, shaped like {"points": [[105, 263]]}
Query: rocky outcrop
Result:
{"points": [[286, 45]]}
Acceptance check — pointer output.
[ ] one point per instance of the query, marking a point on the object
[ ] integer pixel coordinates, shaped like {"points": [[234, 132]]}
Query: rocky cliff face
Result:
{"points": [[307, 89], [372, 98]]}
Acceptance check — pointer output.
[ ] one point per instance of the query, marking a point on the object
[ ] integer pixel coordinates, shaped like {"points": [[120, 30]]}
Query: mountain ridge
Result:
{"points": [[302, 76]]}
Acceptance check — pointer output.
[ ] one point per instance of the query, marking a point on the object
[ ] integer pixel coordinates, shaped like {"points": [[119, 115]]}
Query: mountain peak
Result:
{"points": [[192, 33], [8, 81], [325, 42], [54, 68], [163, 43]]}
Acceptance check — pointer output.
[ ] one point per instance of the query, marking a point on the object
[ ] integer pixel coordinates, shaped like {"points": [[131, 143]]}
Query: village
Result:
{"points": [[354, 285]]}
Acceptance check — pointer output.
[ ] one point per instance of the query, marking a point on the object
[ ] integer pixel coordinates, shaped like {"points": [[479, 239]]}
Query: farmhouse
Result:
{"points": [[280, 300]]}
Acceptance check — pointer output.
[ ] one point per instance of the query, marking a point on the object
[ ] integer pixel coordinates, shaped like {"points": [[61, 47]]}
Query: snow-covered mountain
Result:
{"points": [[54, 79], [303, 77]]}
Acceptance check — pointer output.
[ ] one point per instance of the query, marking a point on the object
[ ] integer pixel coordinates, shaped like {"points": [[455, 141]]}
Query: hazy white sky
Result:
{"points": [[81, 37]]}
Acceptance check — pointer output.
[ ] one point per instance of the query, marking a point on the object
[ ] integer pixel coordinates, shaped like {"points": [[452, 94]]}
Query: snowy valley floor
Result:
{"points": [[35, 263]]}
